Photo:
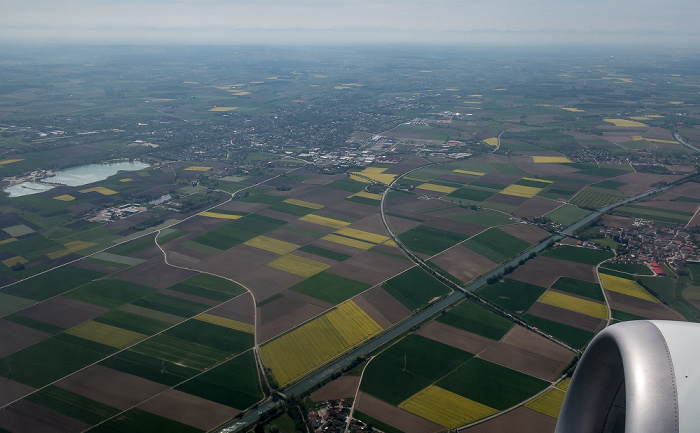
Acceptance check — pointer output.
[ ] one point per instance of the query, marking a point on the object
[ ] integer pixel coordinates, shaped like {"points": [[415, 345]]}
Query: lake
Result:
{"points": [[75, 176]]}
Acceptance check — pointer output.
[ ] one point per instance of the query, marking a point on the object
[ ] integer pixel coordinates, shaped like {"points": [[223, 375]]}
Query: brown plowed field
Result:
{"points": [[372, 224], [520, 420], [659, 133], [324, 196], [278, 215], [15, 337], [63, 312], [266, 281], [455, 226], [240, 308], [11, 391], [688, 189], [342, 387], [400, 225], [154, 273], [237, 260], [95, 267], [350, 210], [526, 232], [694, 221], [566, 317], [338, 248], [683, 206], [506, 199], [640, 307], [290, 236], [24, 416], [314, 228], [454, 337], [382, 307], [406, 165], [148, 253], [415, 206], [111, 387], [371, 268], [529, 353], [535, 207], [499, 178], [188, 297], [189, 409], [544, 271], [617, 221], [241, 206], [640, 182], [543, 170], [283, 314], [308, 299], [395, 417], [463, 263], [180, 259]]}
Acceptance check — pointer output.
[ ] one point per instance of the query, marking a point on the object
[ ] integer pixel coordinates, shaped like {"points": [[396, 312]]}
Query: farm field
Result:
{"points": [[259, 221]]}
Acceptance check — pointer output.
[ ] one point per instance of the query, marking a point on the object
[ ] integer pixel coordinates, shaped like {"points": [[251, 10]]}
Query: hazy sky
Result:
{"points": [[332, 21]]}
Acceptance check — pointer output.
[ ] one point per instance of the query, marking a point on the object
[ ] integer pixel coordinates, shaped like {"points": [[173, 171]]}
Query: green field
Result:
{"points": [[155, 369], [51, 359], [109, 292], [132, 322], [429, 240], [496, 245], [139, 421], [574, 337], [72, 405], [471, 195], [210, 287], [637, 269], [347, 184], [587, 256], [171, 305], [483, 217], [578, 287], [322, 252], [213, 336], [291, 209], [491, 384], [330, 287], [511, 295], [567, 214], [234, 383], [426, 361], [656, 214], [594, 200], [51, 283], [472, 317], [415, 288], [238, 231]]}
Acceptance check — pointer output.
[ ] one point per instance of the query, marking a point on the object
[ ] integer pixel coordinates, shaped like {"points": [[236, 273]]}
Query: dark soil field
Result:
{"points": [[454, 337], [567, 317], [535, 207], [641, 307], [544, 271], [63, 312], [16, 337], [463, 263], [189, 409], [402, 420], [283, 314], [382, 307], [526, 232], [522, 420], [239, 308], [342, 387]]}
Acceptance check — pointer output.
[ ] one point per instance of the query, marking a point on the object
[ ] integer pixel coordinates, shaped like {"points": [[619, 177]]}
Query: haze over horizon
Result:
{"points": [[342, 21]]}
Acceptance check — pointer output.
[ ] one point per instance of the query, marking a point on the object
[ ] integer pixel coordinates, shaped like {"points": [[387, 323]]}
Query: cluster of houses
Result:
{"points": [[332, 417]]}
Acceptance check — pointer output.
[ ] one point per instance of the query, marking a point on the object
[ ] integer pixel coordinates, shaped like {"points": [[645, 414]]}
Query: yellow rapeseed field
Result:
{"points": [[533, 179], [64, 197], [347, 241], [296, 265], [573, 303], [493, 141], [366, 194], [446, 408], [198, 168], [223, 108], [521, 190], [272, 245], [106, 334], [473, 173], [625, 122], [303, 349], [549, 403], [226, 323], [10, 161], [102, 190], [220, 215], [658, 140], [551, 160], [324, 221], [377, 177], [564, 384], [14, 260], [575, 110], [70, 247], [362, 235], [437, 188], [126, 179], [302, 203], [626, 287]]}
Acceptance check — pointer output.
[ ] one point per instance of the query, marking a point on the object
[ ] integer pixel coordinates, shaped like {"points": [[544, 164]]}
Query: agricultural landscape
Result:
{"points": [[485, 213]]}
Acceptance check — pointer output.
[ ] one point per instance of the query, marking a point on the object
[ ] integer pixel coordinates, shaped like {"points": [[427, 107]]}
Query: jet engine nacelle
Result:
{"points": [[636, 377]]}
